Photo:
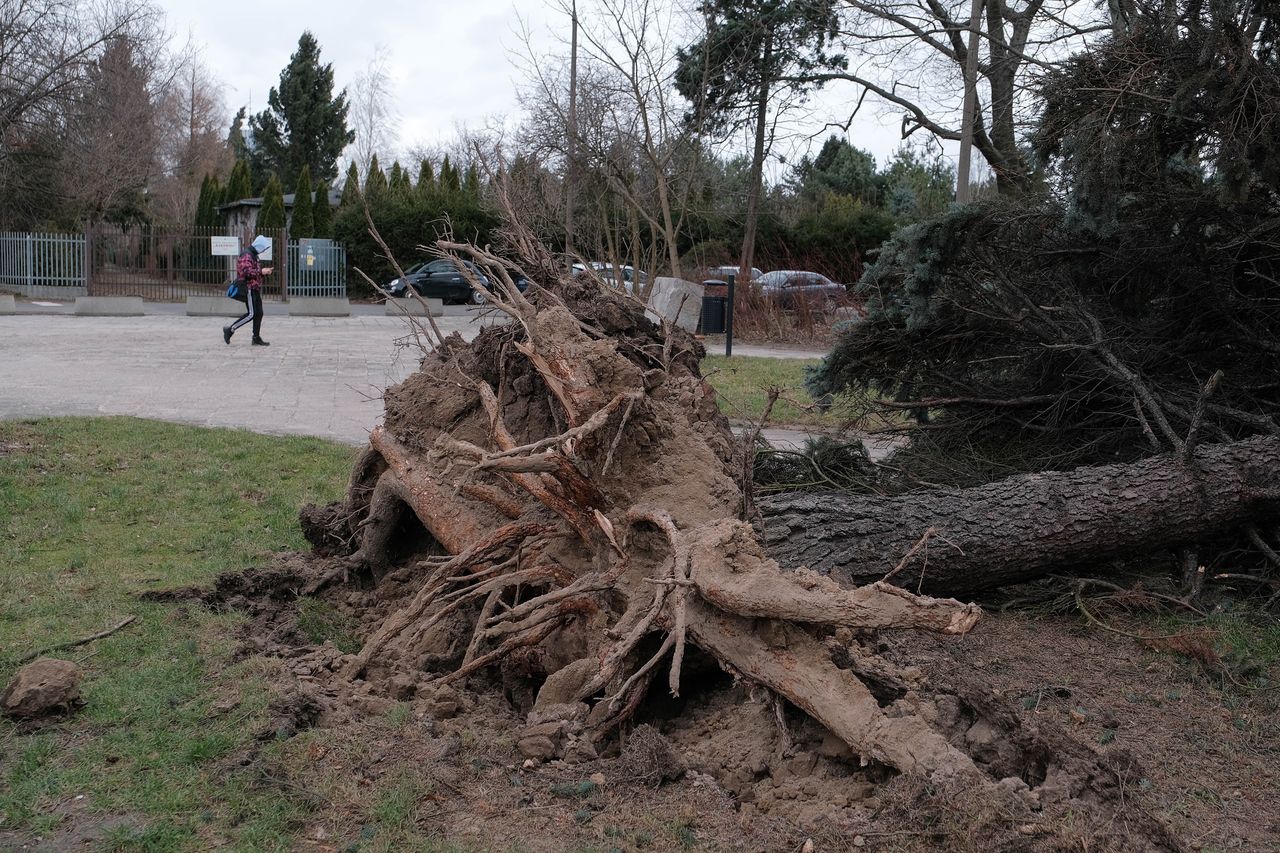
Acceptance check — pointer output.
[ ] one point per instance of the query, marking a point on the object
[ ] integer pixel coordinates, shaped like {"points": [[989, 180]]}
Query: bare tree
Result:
{"points": [[629, 128], [373, 114], [192, 118], [910, 54], [47, 50], [112, 152]]}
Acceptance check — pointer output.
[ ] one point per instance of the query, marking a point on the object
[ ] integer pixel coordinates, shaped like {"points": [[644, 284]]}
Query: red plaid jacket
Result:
{"points": [[249, 270]]}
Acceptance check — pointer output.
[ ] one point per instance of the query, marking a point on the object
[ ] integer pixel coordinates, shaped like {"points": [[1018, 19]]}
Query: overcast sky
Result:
{"points": [[451, 61]]}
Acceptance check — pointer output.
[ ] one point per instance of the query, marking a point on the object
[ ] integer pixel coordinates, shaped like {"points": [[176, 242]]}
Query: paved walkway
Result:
{"points": [[319, 377]]}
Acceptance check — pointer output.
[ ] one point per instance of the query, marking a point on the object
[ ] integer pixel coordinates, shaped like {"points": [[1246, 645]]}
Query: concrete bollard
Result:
{"points": [[8, 305], [108, 306], [398, 307], [213, 306], [319, 306]]}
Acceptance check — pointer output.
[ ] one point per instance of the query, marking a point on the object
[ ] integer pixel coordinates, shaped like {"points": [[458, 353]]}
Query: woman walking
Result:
{"points": [[250, 272]]}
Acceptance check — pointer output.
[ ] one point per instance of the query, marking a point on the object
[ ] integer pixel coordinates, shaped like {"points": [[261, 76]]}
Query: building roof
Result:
{"points": [[335, 196]]}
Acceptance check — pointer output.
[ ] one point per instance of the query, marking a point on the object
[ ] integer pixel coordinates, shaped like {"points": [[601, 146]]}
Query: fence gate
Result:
{"points": [[317, 268], [43, 265], [167, 266]]}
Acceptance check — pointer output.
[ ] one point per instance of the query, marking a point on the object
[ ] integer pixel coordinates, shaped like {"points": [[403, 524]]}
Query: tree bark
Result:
{"points": [[1027, 526]]}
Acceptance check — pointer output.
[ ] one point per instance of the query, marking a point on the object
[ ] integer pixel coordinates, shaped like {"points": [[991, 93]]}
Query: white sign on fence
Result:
{"points": [[228, 246]]}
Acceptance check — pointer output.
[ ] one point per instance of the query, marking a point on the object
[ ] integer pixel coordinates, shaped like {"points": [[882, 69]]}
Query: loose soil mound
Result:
{"points": [[714, 770]]}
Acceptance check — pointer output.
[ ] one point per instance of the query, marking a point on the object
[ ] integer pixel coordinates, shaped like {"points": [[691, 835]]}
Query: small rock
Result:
{"points": [[807, 847], [859, 841], [529, 764], [597, 779], [443, 709], [538, 747], [402, 687], [373, 706], [580, 750], [42, 687], [802, 763], [981, 733]]}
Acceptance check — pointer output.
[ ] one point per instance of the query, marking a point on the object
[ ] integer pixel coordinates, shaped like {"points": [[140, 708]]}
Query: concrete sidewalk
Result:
{"points": [[319, 377]]}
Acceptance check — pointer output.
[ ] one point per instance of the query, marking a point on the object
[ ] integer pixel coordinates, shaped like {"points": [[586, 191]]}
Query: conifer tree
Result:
{"points": [[471, 185], [304, 124], [426, 178], [399, 181], [322, 213], [450, 180], [272, 216], [303, 222], [375, 183], [239, 185], [350, 187], [204, 203]]}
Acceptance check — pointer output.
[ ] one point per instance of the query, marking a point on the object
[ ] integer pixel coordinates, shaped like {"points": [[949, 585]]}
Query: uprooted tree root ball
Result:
{"points": [[555, 505], [576, 482]]}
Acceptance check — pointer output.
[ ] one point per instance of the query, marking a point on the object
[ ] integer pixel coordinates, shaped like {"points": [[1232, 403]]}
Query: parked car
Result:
{"points": [[441, 279], [630, 277], [723, 273], [793, 288], [606, 273]]}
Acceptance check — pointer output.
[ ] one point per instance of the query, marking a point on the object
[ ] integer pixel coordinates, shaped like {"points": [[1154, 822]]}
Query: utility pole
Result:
{"points": [[571, 166], [964, 193]]}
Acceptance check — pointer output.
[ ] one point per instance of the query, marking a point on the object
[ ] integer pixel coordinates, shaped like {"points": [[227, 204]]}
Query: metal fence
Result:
{"points": [[162, 265], [317, 268], [49, 265]]}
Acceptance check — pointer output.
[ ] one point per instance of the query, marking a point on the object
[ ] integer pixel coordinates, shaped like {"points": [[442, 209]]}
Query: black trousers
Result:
{"points": [[253, 312]]}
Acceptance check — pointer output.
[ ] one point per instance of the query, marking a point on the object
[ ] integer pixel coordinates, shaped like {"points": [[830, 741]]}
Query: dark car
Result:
{"points": [[793, 288], [441, 279]]}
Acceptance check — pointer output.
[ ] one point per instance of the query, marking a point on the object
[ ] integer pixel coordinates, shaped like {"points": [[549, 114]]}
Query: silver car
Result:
{"points": [[793, 288]]}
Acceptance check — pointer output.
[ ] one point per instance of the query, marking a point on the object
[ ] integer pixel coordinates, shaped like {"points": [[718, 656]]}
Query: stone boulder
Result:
{"points": [[41, 688]]}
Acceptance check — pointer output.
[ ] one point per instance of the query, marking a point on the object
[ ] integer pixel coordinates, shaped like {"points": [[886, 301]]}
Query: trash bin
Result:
{"points": [[713, 311]]}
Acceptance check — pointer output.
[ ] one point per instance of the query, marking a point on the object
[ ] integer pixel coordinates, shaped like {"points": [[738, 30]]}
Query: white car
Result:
{"points": [[606, 272]]}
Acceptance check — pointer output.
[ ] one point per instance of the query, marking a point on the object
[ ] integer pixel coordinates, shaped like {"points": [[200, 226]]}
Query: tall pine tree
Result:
{"points": [[751, 51], [303, 222], [235, 137], [304, 124]]}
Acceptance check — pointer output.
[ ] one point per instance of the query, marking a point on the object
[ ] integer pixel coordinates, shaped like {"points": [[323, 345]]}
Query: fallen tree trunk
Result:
{"points": [[1028, 526]]}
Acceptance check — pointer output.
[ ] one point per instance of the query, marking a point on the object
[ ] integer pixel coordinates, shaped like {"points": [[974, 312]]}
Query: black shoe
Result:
{"points": [[226, 334], [259, 342]]}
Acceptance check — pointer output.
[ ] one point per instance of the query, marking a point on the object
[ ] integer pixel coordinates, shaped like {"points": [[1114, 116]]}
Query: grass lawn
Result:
{"points": [[92, 513], [743, 382]]}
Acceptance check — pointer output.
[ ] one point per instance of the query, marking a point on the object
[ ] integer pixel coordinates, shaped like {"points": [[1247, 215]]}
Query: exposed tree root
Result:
{"points": [[575, 466]]}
